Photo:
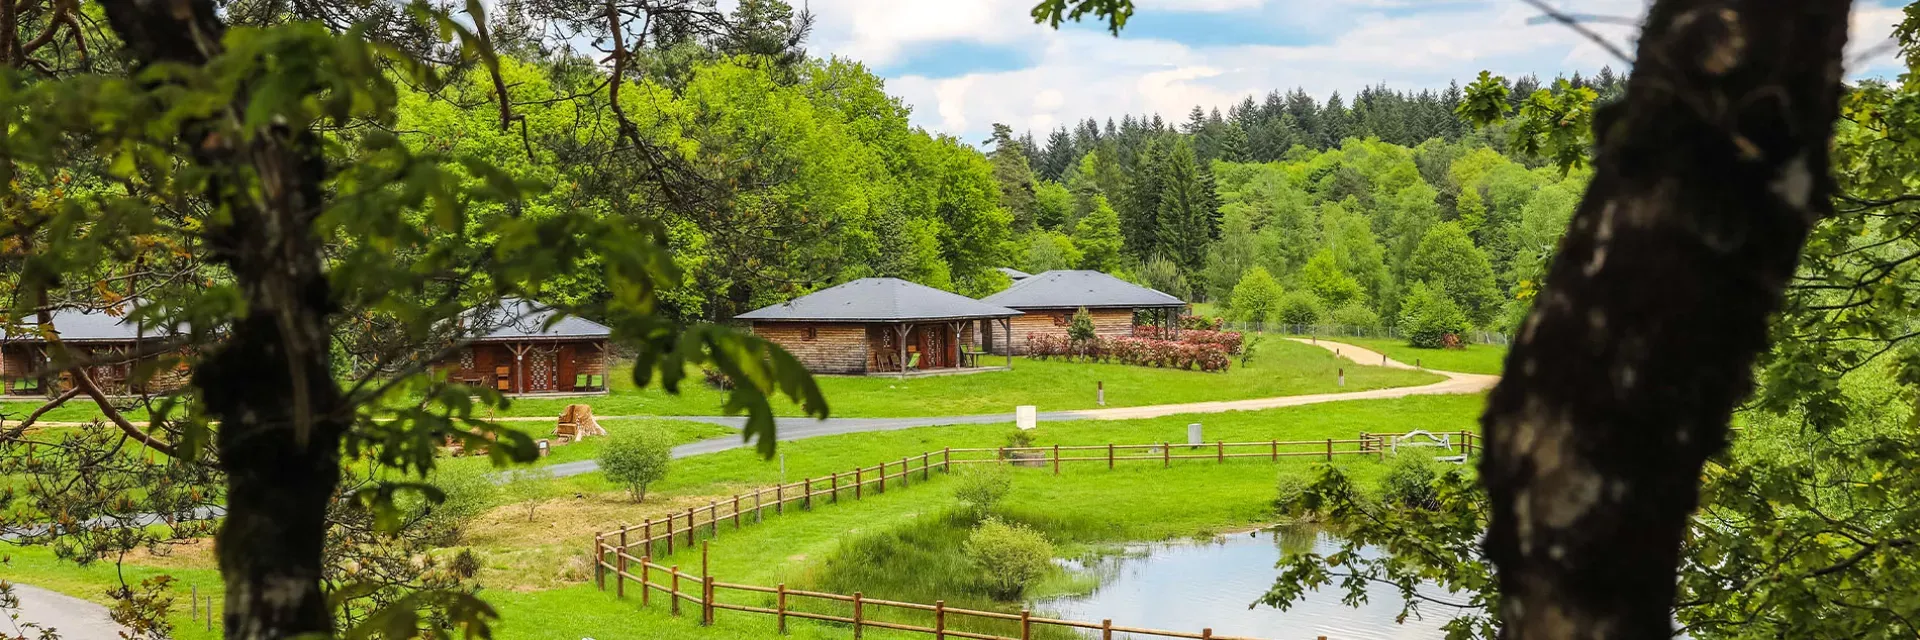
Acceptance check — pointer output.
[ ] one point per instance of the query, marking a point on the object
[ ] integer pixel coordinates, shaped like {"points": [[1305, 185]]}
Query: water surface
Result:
{"points": [[1187, 586]]}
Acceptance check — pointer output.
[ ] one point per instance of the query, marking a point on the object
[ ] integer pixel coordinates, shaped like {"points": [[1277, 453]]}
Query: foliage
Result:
{"points": [[1256, 298], [1019, 438], [1050, 250], [1409, 482], [981, 486], [1163, 275], [1447, 259], [1322, 276], [1097, 235], [1300, 308], [1229, 340], [1010, 556], [1554, 123], [635, 459], [1355, 315], [467, 492], [1202, 323], [526, 487], [1429, 318], [1081, 328], [1132, 351]]}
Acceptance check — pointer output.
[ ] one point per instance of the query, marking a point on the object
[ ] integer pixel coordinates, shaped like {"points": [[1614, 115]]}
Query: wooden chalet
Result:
{"points": [[1049, 300], [882, 326], [524, 348], [113, 346]]}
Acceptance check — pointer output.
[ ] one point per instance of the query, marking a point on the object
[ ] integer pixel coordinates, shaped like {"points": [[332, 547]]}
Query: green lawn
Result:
{"points": [[1474, 358], [1086, 506], [1279, 368]]}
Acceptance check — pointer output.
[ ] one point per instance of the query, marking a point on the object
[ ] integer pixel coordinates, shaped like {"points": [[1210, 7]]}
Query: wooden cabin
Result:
{"points": [[519, 348], [1048, 301], [113, 347], [882, 326]]}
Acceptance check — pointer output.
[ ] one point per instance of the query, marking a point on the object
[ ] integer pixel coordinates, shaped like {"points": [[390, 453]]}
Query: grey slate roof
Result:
{"points": [[1066, 289], [75, 325], [517, 319], [1016, 274], [878, 300]]}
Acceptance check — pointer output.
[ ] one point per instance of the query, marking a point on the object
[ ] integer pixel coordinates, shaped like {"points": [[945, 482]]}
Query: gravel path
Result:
{"points": [[73, 618]]}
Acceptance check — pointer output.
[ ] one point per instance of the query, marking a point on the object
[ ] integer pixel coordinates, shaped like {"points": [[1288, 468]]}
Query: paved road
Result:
{"points": [[801, 428], [73, 618]]}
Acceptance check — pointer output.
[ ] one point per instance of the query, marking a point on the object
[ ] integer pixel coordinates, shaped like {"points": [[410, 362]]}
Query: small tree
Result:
{"points": [[1010, 556], [1081, 331], [1355, 314], [635, 459], [983, 485], [1301, 308], [527, 487], [1257, 296], [1428, 316]]}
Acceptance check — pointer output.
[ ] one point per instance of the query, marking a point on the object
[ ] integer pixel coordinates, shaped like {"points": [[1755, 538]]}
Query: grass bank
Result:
{"points": [[1473, 358]]}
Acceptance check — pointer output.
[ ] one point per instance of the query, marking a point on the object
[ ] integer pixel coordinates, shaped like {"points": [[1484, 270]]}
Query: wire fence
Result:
{"points": [[1349, 331]]}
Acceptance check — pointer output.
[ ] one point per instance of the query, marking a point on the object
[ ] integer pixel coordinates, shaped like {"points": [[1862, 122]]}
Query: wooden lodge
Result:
{"points": [[883, 326], [520, 348], [113, 348], [1049, 300]]}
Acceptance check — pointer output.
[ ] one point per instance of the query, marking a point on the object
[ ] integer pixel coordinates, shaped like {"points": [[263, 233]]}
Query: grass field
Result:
{"points": [[534, 571], [1474, 358], [1278, 368]]}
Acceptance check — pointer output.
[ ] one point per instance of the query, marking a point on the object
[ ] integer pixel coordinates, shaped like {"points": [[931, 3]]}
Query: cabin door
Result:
{"points": [[543, 369]]}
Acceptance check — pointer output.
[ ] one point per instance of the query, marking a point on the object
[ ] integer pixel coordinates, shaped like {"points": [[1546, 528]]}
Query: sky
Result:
{"points": [[963, 65]]}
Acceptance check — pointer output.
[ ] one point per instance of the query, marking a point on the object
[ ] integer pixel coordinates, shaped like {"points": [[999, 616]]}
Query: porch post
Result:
{"points": [[954, 344], [1006, 327], [902, 330]]}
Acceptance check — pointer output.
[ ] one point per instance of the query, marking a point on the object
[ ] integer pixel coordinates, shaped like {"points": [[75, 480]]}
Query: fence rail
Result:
{"points": [[613, 550]]}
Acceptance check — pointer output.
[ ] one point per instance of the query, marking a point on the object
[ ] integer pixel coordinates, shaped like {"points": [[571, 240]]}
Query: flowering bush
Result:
{"points": [[1146, 352], [1229, 340]]}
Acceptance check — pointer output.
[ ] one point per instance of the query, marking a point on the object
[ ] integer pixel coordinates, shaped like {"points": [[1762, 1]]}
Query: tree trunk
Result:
{"points": [[269, 382], [1707, 178]]}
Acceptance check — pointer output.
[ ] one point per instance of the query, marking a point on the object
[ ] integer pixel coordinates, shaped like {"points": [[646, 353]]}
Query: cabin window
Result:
{"points": [[1062, 319], [809, 333]]}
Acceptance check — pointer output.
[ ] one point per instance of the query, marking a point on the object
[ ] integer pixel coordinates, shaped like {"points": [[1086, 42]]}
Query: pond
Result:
{"points": [[1188, 586]]}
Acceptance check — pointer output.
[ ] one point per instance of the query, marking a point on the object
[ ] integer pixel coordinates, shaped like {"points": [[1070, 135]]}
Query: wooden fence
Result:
{"points": [[613, 550]]}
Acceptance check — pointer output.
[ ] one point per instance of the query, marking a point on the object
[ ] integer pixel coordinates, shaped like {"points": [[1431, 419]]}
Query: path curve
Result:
{"points": [[796, 428], [73, 618]]}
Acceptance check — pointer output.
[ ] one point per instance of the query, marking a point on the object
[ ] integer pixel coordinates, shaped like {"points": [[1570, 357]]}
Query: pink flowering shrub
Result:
{"points": [[1144, 352]]}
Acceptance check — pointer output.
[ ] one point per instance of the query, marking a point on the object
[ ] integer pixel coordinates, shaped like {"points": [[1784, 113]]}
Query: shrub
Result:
{"points": [[1010, 556], [635, 459], [1231, 340], [465, 564], [1019, 438], [981, 486], [716, 379], [527, 487], [1202, 323], [469, 491], [1428, 317], [1301, 308], [1081, 330], [1257, 296], [1135, 351], [1355, 314], [1409, 483]]}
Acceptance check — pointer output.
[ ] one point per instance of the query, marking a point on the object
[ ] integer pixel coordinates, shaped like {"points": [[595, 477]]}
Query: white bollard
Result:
{"points": [[1026, 416], [1193, 435]]}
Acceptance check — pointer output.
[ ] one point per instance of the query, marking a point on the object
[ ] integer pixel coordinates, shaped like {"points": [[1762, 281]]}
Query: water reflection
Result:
{"points": [[1188, 586]]}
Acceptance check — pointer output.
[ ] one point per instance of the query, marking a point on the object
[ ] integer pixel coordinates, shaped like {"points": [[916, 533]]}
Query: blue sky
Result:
{"points": [[966, 64]]}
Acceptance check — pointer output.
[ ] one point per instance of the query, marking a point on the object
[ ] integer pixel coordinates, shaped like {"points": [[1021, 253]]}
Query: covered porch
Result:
{"points": [[909, 349]]}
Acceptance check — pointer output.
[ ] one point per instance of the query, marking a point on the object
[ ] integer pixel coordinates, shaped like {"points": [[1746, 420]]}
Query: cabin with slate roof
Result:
{"points": [[882, 326], [114, 347], [522, 348], [1049, 300]]}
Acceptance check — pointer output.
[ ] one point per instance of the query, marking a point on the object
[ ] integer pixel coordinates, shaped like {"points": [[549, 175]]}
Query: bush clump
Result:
{"points": [[1355, 314], [1409, 483], [1430, 319], [1010, 556], [635, 459], [981, 486], [1301, 308]]}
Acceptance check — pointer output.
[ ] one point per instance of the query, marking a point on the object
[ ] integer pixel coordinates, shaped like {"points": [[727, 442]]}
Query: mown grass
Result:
{"points": [[1278, 368], [1473, 358], [192, 572]]}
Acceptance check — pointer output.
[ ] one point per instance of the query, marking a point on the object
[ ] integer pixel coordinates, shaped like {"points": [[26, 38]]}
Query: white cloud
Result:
{"points": [[1080, 73]]}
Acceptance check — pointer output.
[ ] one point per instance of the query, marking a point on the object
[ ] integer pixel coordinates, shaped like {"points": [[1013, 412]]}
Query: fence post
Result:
{"points": [[1056, 459], [1276, 450], [706, 601], [713, 519], [599, 562], [779, 499], [736, 511], [670, 520], [926, 466], [905, 472], [835, 480], [883, 477], [690, 526], [1026, 624], [1109, 456], [939, 620], [757, 493], [703, 559], [620, 576], [806, 502], [1222, 452], [624, 527], [780, 607], [646, 588], [946, 460], [1166, 454], [1106, 629], [857, 482], [856, 609], [1329, 449], [673, 594]]}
